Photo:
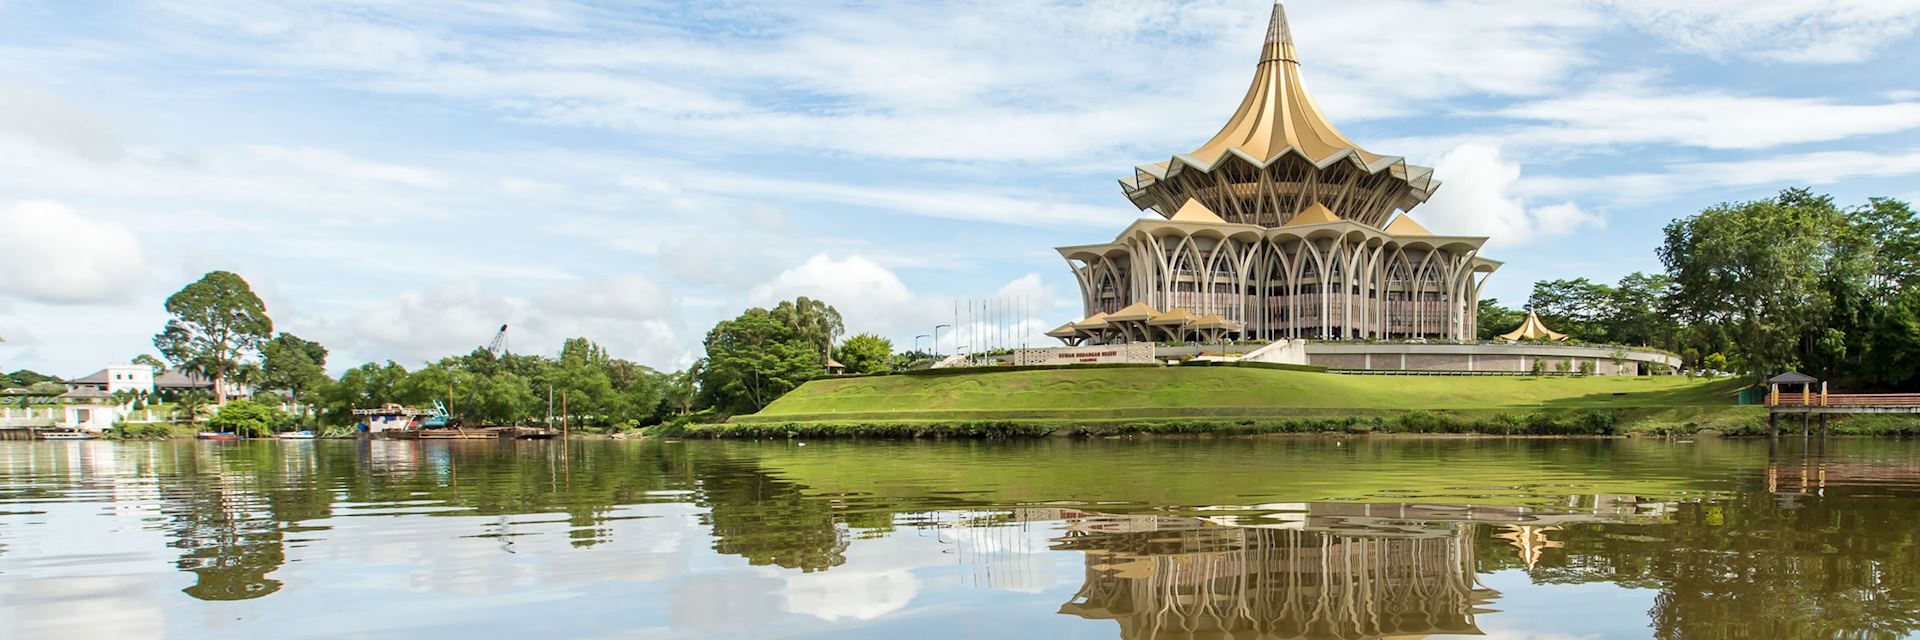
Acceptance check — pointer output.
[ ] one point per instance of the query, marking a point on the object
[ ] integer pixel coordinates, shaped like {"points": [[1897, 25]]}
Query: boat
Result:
{"points": [[65, 435], [218, 437], [295, 435]]}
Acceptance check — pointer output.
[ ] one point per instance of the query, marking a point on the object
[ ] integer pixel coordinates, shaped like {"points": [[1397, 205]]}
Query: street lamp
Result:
{"points": [[916, 341], [936, 337]]}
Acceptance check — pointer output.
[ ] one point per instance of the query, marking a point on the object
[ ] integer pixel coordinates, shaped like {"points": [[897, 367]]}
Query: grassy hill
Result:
{"points": [[1131, 394]]}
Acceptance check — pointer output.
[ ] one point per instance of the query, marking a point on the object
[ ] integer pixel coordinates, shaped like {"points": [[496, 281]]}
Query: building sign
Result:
{"points": [[1139, 352]]}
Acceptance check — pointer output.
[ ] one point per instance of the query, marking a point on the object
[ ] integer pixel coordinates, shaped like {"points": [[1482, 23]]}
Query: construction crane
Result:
{"points": [[499, 345]]}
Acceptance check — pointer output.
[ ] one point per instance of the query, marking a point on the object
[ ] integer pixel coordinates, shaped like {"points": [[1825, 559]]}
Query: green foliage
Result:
{"points": [[813, 322], [866, 353], [26, 378], [1495, 319], [1714, 362], [293, 364], [1754, 271], [148, 359], [247, 417], [217, 323], [140, 432], [757, 357]]}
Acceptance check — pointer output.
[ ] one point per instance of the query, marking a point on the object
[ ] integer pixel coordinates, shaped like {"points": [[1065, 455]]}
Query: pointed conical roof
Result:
{"points": [[1315, 213], [1174, 317], [1193, 211], [1092, 323], [1278, 113], [1277, 120], [1136, 312], [1064, 331], [1405, 226], [1533, 329]]}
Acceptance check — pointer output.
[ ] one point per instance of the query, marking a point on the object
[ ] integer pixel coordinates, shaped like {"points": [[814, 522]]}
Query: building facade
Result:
{"points": [[1279, 227]]}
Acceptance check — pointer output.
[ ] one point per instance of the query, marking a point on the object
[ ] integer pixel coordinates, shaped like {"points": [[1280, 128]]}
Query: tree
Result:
{"points": [[217, 323], [1754, 270], [753, 359], [246, 417], [293, 364], [148, 359], [815, 322], [682, 388], [866, 353], [1495, 319], [1576, 307]]}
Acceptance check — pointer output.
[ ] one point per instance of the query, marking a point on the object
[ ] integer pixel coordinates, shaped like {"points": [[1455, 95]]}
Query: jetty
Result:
{"points": [[1784, 399]]}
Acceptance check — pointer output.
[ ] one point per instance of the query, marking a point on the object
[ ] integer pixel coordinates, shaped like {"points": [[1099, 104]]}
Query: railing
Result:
{"points": [[1791, 399]]}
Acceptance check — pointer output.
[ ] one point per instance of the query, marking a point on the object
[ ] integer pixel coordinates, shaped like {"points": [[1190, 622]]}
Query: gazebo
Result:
{"points": [[1533, 329], [1790, 378]]}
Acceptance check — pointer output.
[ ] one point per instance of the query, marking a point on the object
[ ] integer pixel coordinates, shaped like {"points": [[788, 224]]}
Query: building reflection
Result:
{"points": [[1175, 577]]}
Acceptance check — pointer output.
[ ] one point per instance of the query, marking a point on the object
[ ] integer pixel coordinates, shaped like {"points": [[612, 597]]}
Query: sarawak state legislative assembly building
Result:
{"points": [[1278, 228]]}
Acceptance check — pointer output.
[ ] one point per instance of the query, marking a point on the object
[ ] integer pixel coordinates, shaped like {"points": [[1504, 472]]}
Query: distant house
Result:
{"points": [[174, 383], [137, 378]]}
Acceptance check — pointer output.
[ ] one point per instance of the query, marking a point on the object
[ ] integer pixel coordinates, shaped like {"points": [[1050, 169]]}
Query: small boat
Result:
{"points": [[296, 435], [65, 435], [218, 437]]}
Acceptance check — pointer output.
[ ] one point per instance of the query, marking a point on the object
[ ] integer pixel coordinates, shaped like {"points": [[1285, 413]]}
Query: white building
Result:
{"points": [[91, 417], [115, 378]]}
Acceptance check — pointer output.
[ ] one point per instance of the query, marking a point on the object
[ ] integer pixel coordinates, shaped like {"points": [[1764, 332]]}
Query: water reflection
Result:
{"points": [[1184, 578], [1262, 540]]}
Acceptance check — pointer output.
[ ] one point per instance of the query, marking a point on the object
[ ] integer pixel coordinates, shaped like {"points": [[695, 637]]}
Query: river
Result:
{"points": [[1054, 538]]}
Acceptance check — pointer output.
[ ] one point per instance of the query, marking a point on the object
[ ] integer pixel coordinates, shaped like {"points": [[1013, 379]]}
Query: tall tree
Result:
{"points": [[753, 359], [148, 359], [1754, 270], [815, 322], [217, 323], [293, 364]]}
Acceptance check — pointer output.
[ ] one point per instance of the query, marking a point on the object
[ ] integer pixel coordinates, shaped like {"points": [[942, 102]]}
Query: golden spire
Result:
{"points": [[1277, 113]]}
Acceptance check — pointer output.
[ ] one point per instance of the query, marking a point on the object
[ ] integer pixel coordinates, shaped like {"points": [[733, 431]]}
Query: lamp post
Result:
{"points": [[916, 341], [936, 337]]}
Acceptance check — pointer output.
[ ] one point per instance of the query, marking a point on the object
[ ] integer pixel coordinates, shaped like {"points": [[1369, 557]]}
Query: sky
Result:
{"points": [[397, 178]]}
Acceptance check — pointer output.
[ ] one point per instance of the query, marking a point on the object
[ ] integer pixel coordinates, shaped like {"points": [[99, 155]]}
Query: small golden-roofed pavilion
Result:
{"points": [[1533, 329]]}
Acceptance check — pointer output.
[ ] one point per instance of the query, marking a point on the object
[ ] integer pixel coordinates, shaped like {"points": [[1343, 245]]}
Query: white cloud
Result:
{"points": [[1478, 198], [1830, 31], [867, 295], [55, 255], [877, 82], [42, 116], [849, 593], [628, 315], [1780, 171], [872, 298], [1626, 110]]}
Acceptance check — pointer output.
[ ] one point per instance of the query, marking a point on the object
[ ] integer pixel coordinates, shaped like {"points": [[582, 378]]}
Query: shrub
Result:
{"points": [[247, 417], [140, 432]]}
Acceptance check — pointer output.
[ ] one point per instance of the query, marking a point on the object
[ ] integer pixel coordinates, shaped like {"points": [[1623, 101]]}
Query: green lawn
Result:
{"points": [[1191, 392]]}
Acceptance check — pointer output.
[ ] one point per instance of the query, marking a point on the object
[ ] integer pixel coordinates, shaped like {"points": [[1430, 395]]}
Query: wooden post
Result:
{"points": [[1806, 424], [1773, 395], [1806, 394], [1773, 425], [1823, 399], [1823, 426], [563, 415]]}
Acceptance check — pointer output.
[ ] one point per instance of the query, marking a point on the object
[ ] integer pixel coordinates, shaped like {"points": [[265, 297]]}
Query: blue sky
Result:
{"points": [[399, 177]]}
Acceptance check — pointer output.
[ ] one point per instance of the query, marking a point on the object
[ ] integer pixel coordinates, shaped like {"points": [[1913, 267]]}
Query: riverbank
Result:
{"points": [[1101, 402]]}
